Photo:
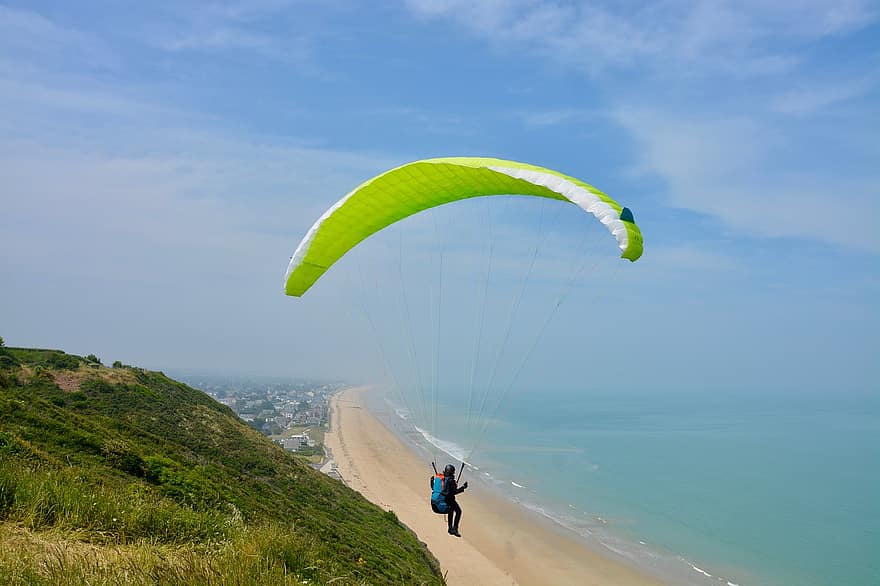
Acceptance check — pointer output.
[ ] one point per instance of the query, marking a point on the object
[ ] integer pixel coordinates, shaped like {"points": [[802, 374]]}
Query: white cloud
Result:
{"points": [[238, 26], [562, 116], [75, 153], [27, 37], [726, 168], [18, 94], [596, 35], [29, 30], [206, 209], [425, 120], [664, 259], [818, 96], [223, 38]]}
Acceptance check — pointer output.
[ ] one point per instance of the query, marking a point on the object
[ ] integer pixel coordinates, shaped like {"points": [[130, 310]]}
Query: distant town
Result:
{"points": [[293, 413]]}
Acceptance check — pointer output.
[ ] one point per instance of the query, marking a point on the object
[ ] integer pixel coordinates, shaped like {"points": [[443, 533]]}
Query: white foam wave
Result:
{"points": [[700, 570], [450, 448], [617, 550], [516, 485], [558, 519]]}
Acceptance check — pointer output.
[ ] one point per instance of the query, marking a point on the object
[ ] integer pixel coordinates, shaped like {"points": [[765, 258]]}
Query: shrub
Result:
{"points": [[93, 358], [9, 444], [62, 361], [8, 483], [119, 454], [96, 386]]}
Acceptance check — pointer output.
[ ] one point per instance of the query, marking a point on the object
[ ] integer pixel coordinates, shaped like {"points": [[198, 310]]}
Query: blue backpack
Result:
{"points": [[438, 494]]}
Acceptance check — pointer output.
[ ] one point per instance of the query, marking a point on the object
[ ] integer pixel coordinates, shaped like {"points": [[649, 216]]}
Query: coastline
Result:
{"points": [[501, 543]]}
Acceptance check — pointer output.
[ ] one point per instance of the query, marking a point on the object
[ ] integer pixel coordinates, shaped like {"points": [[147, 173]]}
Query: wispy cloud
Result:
{"points": [[812, 98], [223, 38], [561, 116], [194, 209], [239, 26], [30, 30], [425, 120], [597, 35], [21, 94], [726, 168], [28, 35], [291, 49], [73, 154], [690, 258]]}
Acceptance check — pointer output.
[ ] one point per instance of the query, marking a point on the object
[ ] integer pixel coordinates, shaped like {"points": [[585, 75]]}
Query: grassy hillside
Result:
{"points": [[121, 475]]}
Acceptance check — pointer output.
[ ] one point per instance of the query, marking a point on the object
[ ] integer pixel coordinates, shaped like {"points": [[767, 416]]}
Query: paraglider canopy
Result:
{"points": [[414, 187]]}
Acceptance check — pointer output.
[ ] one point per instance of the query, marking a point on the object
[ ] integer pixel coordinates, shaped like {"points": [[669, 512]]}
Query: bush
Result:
{"points": [[192, 487], [117, 364], [96, 386], [62, 361], [43, 374], [9, 444], [93, 358], [8, 485], [119, 454]]}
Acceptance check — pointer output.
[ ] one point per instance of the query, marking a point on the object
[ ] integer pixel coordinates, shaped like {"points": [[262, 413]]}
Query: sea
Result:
{"points": [[742, 489]]}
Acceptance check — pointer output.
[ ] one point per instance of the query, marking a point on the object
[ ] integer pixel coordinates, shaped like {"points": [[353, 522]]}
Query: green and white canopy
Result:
{"points": [[414, 187]]}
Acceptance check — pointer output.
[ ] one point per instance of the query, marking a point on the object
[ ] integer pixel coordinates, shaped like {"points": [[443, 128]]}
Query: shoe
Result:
{"points": [[454, 532]]}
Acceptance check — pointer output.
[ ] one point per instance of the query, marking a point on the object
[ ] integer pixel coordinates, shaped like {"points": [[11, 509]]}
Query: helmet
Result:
{"points": [[449, 470]]}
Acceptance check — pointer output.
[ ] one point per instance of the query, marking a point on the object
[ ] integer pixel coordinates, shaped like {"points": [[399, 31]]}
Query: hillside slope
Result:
{"points": [[121, 475]]}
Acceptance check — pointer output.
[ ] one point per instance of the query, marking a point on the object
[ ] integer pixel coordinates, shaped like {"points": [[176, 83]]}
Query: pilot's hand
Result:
{"points": [[464, 485]]}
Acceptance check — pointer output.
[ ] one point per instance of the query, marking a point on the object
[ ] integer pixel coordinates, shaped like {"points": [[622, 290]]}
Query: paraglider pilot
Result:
{"points": [[444, 489]]}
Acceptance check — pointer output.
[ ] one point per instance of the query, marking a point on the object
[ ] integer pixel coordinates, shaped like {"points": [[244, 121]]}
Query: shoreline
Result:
{"points": [[501, 542]]}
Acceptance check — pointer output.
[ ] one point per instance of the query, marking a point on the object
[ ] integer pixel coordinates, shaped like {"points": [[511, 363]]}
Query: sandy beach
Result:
{"points": [[501, 543]]}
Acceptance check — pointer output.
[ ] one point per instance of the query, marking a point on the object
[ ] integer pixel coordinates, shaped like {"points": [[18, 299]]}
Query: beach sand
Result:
{"points": [[501, 543]]}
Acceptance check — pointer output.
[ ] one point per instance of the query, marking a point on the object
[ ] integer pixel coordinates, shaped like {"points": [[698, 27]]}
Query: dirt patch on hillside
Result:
{"points": [[70, 380], [66, 380]]}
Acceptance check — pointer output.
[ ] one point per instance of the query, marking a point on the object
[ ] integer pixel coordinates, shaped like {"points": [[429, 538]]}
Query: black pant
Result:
{"points": [[453, 509]]}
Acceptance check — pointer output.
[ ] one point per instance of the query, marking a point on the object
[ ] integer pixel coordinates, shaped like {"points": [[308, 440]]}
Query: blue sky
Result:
{"points": [[159, 163]]}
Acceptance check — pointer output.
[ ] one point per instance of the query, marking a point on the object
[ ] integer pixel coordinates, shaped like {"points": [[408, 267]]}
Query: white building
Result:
{"points": [[295, 442]]}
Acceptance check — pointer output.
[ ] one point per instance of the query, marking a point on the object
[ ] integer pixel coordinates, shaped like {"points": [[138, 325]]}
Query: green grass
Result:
{"points": [[126, 476], [261, 555]]}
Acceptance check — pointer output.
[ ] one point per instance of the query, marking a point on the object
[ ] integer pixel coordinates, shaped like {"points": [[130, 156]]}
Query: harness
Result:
{"points": [[438, 494]]}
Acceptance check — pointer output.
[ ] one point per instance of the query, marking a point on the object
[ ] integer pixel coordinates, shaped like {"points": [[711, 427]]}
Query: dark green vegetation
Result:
{"points": [[121, 475]]}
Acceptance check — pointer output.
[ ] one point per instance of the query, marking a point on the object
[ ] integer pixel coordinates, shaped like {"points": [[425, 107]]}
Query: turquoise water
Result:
{"points": [[750, 488]]}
